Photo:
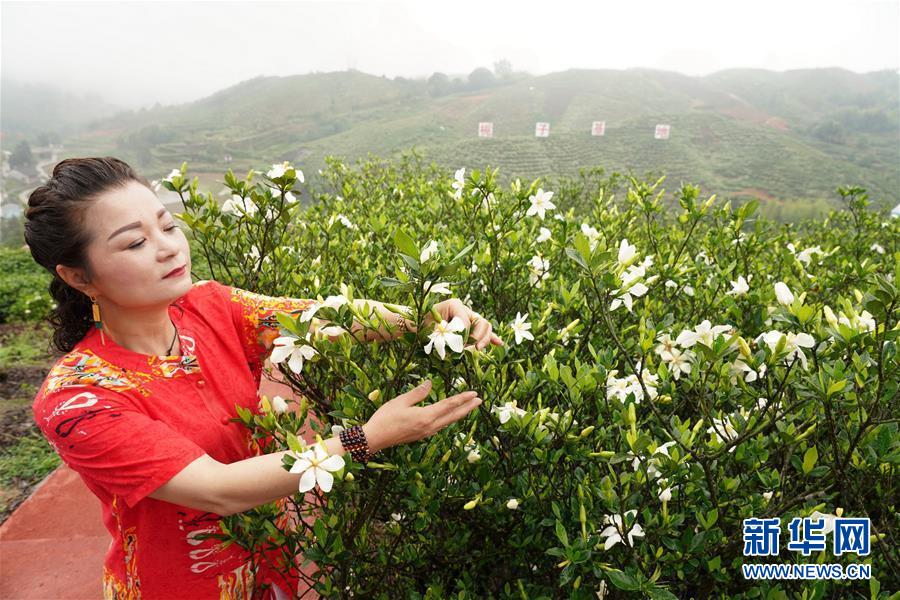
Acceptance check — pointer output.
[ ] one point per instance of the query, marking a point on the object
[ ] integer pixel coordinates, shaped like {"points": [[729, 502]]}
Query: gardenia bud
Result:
{"points": [[279, 405], [349, 477], [470, 504], [513, 504], [375, 395], [830, 316]]}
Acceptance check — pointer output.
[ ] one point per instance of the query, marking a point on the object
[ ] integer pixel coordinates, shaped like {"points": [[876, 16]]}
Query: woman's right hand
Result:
{"points": [[400, 421]]}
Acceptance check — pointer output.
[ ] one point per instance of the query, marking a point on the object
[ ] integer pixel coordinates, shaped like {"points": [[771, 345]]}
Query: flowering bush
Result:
{"points": [[672, 366]]}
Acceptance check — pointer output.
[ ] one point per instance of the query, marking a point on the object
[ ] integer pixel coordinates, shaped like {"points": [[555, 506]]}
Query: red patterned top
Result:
{"points": [[128, 422]]}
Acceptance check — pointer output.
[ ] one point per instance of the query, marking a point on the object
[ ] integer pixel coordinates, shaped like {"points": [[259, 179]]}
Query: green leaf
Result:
{"points": [[836, 386], [622, 580], [573, 254], [294, 443], [406, 244], [658, 593], [463, 252], [809, 459], [286, 321], [561, 534]]}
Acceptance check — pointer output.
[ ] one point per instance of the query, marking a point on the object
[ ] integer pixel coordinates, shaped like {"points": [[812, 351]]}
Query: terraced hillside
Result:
{"points": [[791, 136]]}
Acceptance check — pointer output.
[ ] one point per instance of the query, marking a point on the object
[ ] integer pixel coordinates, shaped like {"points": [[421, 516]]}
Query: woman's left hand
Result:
{"points": [[481, 328]]}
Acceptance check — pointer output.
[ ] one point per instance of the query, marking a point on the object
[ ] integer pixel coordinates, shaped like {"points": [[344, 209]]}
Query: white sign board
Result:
{"points": [[541, 129], [598, 128], [662, 132], [485, 129]]}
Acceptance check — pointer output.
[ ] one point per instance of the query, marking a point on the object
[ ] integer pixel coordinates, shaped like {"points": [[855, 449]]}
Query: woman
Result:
{"points": [[141, 403]]}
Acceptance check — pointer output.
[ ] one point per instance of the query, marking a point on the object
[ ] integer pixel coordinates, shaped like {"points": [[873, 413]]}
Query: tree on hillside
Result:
{"points": [[439, 85], [481, 78], [21, 158], [503, 68]]}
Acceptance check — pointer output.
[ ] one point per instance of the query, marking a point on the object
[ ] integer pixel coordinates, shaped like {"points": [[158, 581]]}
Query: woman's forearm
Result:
{"points": [[262, 479]]}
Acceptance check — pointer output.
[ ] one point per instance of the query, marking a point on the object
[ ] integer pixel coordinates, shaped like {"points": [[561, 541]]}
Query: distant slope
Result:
{"points": [[782, 136]]}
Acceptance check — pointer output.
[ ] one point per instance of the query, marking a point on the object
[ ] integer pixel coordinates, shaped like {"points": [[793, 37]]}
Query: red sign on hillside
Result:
{"points": [[541, 129], [598, 128], [485, 129], [662, 132]]}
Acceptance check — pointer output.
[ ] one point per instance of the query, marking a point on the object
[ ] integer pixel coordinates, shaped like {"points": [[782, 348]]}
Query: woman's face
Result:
{"points": [[135, 243]]}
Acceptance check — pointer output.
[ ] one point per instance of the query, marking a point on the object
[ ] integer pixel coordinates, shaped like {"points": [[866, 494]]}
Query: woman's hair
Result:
{"points": [[56, 234]]}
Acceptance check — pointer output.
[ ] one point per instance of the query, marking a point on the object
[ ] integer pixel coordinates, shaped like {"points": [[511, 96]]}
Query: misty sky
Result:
{"points": [[139, 53]]}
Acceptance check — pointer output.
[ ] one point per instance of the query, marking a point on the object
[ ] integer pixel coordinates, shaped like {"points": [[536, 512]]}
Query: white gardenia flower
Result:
{"points": [[877, 248], [287, 346], [344, 220], [463, 439], [829, 520], [473, 456], [636, 290], [336, 429], [459, 181], [616, 530], [253, 255], [704, 333], [172, 175], [397, 516], [544, 235], [334, 302], [806, 255], [240, 206], [679, 362], [767, 496], [428, 251], [592, 234], [489, 201], [444, 335], [652, 462], [739, 366], [665, 494], [540, 269], [441, 287], [540, 202], [278, 170], [620, 388], [520, 328], [627, 252], [723, 430], [739, 287], [513, 504], [666, 344], [793, 343], [506, 411], [862, 322], [315, 465], [783, 294]]}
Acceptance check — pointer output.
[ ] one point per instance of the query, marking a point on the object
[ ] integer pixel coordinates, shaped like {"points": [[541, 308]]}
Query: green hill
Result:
{"points": [[792, 136]]}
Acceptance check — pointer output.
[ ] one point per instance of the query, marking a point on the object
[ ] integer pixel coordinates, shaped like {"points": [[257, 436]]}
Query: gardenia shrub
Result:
{"points": [[672, 366]]}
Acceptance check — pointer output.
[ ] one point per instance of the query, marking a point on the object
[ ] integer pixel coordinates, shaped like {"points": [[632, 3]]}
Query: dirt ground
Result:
{"points": [[18, 385]]}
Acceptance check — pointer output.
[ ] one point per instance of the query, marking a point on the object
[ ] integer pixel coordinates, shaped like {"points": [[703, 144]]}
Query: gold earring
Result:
{"points": [[97, 322]]}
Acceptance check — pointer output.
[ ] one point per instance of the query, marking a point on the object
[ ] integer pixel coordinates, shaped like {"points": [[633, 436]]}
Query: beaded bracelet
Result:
{"points": [[354, 440]]}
